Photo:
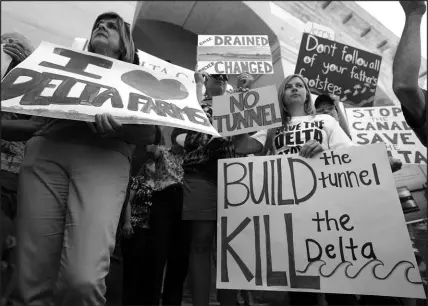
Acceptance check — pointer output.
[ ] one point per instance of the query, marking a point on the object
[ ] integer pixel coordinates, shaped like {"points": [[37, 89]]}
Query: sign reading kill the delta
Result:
{"points": [[386, 124], [247, 112], [342, 70], [234, 54], [59, 82], [330, 224]]}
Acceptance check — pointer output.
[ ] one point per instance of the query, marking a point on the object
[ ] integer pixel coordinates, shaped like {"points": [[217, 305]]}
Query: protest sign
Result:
{"points": [[59, 82], [411, 183], [5, 61], [331, 224], [234, 54], [247, 112], [386, 124], [319, 30], [332, 67]]}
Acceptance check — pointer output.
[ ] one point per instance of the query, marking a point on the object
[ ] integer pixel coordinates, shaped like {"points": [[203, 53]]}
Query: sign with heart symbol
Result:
{"points": [[165, 89], [87, 84]]}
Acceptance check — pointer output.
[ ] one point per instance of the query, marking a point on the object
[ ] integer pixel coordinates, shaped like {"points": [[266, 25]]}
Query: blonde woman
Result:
{"points": [[302, 131]]}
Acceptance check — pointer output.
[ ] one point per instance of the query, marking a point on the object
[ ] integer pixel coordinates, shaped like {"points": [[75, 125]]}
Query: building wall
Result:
{"points": [[58, 22]]}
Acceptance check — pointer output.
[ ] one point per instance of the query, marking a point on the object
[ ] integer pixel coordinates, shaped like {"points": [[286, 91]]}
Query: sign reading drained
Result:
{"points": [[234, 54]]}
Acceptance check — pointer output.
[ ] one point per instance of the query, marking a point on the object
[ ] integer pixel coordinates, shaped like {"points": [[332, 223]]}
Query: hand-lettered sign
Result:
{"points": [[59, 82], [331, 67], [319, 30], [234, 54], [386, 124], [331, 224], [247, 112]]}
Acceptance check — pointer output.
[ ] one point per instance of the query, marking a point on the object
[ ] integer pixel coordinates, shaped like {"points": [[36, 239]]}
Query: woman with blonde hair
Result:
{"points": [[72, 185], [302, 131]]}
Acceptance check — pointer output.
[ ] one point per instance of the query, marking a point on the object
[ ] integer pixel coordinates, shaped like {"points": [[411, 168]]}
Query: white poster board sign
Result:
{"points": [[331, 224], [234, 54], [246, 112], [386, 124], [319, 30], [59, 82]]}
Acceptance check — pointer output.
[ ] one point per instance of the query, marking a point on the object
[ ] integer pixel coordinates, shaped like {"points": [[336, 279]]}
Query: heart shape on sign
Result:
{"points": [[166, 89]]}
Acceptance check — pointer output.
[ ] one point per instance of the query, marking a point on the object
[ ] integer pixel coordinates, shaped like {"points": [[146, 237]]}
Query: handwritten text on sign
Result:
{"points": [[247, 112], [331, 67], [386, 124], [327, 224], [61, 83], [234, 54]]}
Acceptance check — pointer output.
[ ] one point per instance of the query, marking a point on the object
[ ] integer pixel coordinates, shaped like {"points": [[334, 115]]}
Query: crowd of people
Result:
{"points": [[106, 214]]}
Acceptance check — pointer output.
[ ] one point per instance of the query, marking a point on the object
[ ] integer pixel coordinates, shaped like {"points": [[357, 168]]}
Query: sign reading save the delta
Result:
{"points": [[62, 83], [234, 54], [386, 124], [331, 224], [331, 67], [247, 112]]}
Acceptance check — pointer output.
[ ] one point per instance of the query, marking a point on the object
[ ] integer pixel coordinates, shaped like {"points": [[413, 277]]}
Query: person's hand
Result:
{"points": [[105, 125], [310, 148], [244, 81], [395, 164], [16, 50], [127, 230], [335, 99], [413, 7], [199, 75]]}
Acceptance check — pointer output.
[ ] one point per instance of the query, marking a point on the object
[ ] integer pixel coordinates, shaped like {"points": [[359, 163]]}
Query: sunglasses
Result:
{"points": [[221, 77]]}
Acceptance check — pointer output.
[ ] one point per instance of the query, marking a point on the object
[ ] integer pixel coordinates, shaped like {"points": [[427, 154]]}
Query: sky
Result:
{"points": [[394, 19]]}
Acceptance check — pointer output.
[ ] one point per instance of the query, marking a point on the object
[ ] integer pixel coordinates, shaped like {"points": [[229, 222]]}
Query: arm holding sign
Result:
{"points": [[342, 119], [406, 66], [22, 129], [246, 144]]}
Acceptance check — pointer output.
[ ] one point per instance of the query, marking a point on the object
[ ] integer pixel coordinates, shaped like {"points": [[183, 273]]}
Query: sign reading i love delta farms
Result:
{"points": [[332, 224], [59, 82], [332, 67]]}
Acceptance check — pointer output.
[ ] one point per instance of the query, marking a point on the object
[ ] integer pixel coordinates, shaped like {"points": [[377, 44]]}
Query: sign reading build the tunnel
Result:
{"points": [[59, 82], [234, 54], [331, 224], [342, 70]]}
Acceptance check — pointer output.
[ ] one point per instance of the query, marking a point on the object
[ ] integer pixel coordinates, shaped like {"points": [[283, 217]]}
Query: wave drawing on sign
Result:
{"points": [[374, 273]]}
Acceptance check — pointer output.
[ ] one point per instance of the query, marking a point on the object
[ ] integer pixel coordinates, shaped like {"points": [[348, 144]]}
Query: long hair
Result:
{"points": [[308, 106], [127, 47]]}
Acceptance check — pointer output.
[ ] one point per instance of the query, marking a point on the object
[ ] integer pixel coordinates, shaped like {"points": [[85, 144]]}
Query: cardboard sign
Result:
{"points": [[59, 82], [247, 112], [331, 67], [411, 183], [319, 30], [331, 224], [234, 54], [386, 124]]}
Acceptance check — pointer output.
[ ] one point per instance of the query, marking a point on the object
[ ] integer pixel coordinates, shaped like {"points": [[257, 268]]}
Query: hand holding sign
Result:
{"points": [[105, 125], [245, 81], [200, 74]]}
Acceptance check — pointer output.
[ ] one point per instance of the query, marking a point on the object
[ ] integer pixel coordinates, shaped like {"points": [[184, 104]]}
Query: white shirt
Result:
{"points": [[290, 139]]}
